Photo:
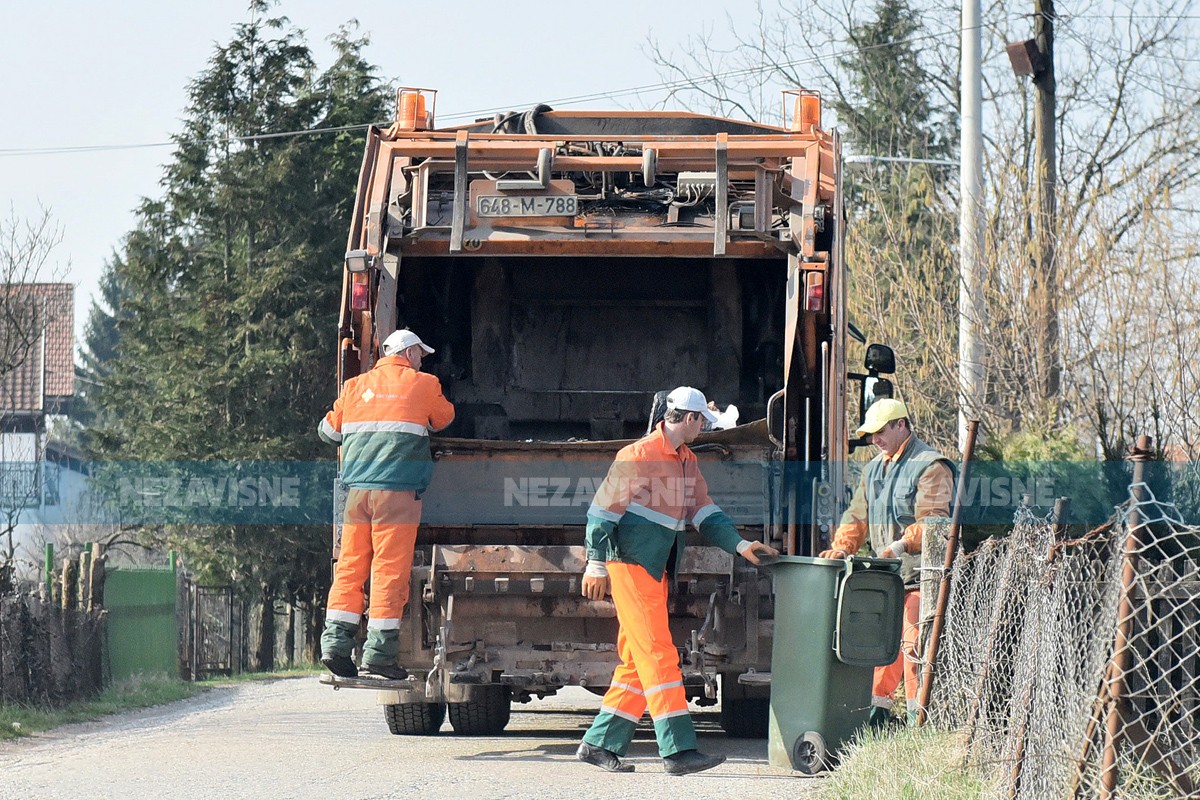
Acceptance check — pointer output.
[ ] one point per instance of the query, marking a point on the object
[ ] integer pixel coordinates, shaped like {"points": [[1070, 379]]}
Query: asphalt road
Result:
{"points": [[296, 738]]}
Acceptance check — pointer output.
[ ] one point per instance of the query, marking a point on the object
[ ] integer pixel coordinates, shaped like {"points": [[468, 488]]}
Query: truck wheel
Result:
{"points": [[485, 716], [745, 717], [415, 719], [809, 754]]}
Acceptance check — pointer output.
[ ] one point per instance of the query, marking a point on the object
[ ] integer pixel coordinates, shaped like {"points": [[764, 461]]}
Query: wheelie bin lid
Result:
{"points": [[838, 563], [870, 614]]}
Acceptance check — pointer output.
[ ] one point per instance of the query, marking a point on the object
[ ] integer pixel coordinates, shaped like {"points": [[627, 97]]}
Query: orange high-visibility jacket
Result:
{"points": [[382, 421], [650, 494]]}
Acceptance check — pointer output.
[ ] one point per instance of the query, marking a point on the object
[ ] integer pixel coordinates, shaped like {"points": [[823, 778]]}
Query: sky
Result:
{"points": [[79, 73]]}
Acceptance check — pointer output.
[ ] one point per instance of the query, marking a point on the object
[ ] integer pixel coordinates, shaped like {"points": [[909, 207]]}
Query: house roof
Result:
{"points": [[37, 323]]}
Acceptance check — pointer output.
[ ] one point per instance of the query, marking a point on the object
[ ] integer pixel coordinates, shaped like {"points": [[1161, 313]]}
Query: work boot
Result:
{"points": [[342, 666], [393, 672], [337, 646], [686, 762], [599, 757], [881, 719]]}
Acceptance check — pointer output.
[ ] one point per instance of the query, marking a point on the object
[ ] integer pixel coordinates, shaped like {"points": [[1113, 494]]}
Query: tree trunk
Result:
{"points": [[264, 659], [70, 584], [314, 623], [289, 639]]}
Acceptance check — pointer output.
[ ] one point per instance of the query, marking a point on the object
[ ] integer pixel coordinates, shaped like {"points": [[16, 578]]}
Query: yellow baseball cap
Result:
{"points": [[881, 413]]}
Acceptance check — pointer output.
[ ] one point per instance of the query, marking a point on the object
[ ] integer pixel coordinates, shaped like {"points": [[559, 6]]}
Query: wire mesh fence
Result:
{"points": [[1072, 667]]}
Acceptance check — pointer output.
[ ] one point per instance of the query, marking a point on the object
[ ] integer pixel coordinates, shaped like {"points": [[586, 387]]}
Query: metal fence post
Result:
{"points": [[939, 615], [1120, 658], [48, 568]]}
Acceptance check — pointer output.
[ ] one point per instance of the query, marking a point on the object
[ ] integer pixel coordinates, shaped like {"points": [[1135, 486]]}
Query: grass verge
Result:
{"points": [[909, 764], [142, 691], [136, 693], [296, 671]]}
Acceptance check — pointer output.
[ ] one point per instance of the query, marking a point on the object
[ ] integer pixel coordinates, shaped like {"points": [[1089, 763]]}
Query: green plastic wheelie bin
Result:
{"points": [[835, 621]]}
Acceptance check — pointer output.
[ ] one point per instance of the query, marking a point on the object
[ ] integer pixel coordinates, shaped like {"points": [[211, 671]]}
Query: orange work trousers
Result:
{"points": [[905, 666], [379, 531], [648, 676]]}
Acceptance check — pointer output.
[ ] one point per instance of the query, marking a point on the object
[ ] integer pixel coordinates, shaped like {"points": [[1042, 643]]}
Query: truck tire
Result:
{"points": [[485, 716], [415, 719], [745, 717]]}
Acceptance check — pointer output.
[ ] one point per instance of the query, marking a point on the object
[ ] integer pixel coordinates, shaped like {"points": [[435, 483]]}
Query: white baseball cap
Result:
{"points": [[685, 398], [401, 340]]}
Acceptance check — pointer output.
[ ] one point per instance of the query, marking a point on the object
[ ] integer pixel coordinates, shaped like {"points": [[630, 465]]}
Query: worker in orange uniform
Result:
{"points": [[635, 540], [382, 422], [907, 483]]}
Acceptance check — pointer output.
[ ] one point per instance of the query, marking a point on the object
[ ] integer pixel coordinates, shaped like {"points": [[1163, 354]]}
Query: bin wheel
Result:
{"points": [[809, 754]]}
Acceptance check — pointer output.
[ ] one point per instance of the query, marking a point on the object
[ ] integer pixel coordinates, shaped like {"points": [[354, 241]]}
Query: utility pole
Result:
{"points": [[971, 308], [1047, 208]]}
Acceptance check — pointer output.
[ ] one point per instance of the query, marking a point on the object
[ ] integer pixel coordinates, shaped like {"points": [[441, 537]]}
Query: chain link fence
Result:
{"points": [[1072, 666]]}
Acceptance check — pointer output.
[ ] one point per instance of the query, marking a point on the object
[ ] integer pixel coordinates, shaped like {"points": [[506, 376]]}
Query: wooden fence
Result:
{"points": [[56, 645], [52, 643]]}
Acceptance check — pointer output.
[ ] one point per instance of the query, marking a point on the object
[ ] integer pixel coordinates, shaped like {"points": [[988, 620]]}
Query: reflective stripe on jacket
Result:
{"points": [[382, 421], [650, 495]]}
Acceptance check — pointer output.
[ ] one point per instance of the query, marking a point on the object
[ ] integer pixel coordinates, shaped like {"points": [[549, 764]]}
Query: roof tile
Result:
{"points": [[40, 369]]}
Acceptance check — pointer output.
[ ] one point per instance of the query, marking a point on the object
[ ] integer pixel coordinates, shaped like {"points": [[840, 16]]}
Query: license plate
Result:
{"points": [[543, 205]]}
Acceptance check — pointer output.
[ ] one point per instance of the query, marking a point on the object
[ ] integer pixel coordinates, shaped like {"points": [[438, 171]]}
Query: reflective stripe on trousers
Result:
{"points": [[648, 676], [379, 531]]}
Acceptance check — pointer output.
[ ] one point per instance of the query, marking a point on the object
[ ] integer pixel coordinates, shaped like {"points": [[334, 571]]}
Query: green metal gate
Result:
{"points": [[143, 633]]}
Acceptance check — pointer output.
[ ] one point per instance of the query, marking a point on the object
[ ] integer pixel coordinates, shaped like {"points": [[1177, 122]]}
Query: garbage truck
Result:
{"points": [[567, 267]]}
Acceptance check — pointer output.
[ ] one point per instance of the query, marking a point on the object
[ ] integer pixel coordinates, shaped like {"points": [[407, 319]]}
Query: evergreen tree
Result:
{"points": [[99, 348], [887, 106], [902, 234], [229, 285]]}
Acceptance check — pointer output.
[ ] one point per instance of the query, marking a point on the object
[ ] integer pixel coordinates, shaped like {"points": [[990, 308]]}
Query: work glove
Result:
{"points": [[756, 552], [894, 550]]}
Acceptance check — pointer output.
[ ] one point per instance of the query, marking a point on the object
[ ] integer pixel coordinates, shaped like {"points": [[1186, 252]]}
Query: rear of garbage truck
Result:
{"points": [[567, 266]]}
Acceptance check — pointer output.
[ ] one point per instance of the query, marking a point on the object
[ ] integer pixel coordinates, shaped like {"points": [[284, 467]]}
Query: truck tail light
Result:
{"points": [[359, 292], [814, 291]]}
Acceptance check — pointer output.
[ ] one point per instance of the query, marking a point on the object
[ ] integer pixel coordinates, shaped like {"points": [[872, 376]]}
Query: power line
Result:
{"points": [[1127, 16], [679, 83], [1151, 84], [28, 151], [38, 151], [307, 131], [1067, 19], [682, 83], [864, 159]]}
